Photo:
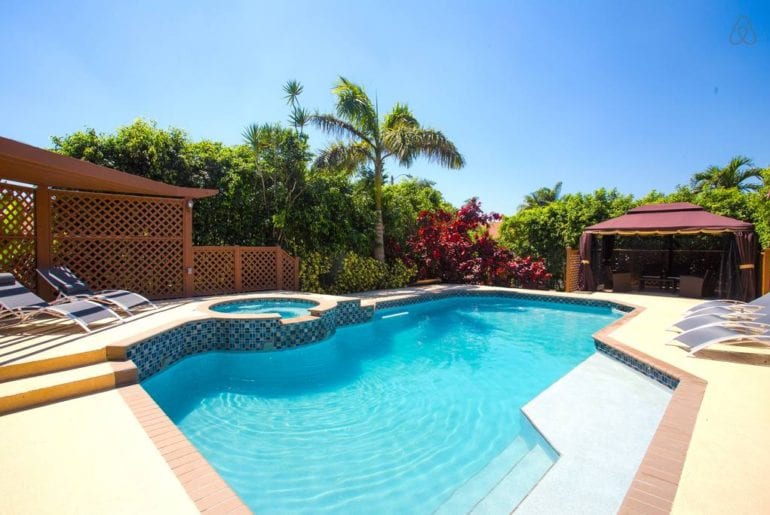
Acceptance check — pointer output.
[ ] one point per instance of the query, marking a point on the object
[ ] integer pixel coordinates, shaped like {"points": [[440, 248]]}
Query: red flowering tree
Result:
{"points": [[457, 247]]}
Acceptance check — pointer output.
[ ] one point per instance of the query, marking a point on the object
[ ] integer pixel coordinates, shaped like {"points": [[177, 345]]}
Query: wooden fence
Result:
{"points": [[219, 270], [138, 243]]}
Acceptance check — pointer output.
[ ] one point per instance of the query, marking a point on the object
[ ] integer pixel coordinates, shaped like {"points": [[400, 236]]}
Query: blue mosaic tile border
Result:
{"points": [[653, 373], [162, 350], [558, 299]]}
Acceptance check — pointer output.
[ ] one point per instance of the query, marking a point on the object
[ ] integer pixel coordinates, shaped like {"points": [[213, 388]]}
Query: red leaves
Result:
{"points": [[457, 248]]}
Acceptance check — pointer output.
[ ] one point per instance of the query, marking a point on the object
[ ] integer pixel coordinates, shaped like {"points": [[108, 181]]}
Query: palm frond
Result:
{"points": [[400, 116], [406, 144], [346, 156], [738, 171], [355, 106], [556, 191], [332, 125]]}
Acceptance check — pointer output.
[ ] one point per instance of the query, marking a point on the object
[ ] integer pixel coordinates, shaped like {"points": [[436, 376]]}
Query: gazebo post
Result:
{"points": [[43, 257], [187, 247]]}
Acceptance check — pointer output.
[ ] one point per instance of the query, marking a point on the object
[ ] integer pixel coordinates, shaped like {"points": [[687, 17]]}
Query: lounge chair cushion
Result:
{"points": [[7, 279]]}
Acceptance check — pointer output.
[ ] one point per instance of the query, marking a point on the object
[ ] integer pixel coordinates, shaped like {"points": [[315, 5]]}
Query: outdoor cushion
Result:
{"points": [[7, 279]]}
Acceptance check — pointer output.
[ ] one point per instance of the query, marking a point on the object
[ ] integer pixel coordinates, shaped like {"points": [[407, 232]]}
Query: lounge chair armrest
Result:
{"points": [[731, 308], [748, 326]]}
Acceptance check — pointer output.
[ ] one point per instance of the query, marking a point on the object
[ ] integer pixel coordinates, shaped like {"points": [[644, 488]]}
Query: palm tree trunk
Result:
{"points": [[379, 226]]}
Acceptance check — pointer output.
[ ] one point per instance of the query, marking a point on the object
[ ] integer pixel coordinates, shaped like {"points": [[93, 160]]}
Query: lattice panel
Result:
{"points": [[78, 214], [214, 271], [258, 269], [17, 233], [151, 267], [120, 241], [290, 272], [572, 272]]}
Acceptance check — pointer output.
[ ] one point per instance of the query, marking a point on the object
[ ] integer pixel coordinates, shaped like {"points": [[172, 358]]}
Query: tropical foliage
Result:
{"points": [[738, 174], [542, 197], [545, 231], [457, 248], [325, 208], [369, 142]]}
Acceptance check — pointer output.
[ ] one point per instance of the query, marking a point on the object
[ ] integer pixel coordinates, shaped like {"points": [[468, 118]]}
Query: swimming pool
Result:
{"points": [[288, 308], [417, 411]]}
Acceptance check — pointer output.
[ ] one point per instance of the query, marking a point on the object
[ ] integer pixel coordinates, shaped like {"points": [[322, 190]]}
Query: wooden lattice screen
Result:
{"points": [[214, 269], [131, 242], [17, 233], [258, 269], [572, 270], [120, 241], [221, 270], [290, 271]]}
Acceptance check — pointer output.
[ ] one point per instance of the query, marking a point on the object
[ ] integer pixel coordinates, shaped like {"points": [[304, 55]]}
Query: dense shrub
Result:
{"points": [[349, 272], [457, 248]]}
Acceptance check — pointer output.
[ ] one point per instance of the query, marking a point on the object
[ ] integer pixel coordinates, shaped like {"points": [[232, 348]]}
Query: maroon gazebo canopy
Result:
{"points": [[664, 219], [671, 219]]}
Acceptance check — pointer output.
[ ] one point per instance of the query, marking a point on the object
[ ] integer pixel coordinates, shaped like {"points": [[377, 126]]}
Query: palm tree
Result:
{"points": [[369, 141], [542, 197], [735, 175]]}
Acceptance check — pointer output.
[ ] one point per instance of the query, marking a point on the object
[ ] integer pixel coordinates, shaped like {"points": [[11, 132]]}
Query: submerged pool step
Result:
{"points": [[514, 487], [477, 487], [41, 389]]}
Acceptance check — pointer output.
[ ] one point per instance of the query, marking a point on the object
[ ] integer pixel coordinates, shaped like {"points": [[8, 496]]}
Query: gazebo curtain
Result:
{"points": [[585, 262], [747, 252]]}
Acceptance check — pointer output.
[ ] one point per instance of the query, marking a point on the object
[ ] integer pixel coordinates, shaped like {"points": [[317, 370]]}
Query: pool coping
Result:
{"points": [[656, 482], [652, 490], [203, 484]]}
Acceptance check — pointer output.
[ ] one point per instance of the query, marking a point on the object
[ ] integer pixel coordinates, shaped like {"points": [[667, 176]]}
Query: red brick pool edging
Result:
{"points": [[202, 483], [656, 482]]}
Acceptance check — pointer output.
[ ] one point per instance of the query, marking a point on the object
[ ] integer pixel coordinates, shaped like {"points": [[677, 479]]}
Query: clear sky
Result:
{"points": [[635, 95]]}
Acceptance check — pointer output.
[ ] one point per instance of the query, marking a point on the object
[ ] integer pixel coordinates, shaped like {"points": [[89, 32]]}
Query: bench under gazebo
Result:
{"points": [[671, 265]]}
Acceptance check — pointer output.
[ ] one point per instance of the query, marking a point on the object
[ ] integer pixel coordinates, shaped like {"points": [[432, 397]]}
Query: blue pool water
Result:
{"points": [[416, 411], [285, 308]]}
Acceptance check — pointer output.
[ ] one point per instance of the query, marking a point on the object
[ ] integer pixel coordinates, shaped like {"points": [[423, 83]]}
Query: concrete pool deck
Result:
{"points": [[91, 454]]}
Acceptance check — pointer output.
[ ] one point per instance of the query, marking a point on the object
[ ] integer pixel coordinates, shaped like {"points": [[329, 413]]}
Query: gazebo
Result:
{"points": [[118, 231], [681, 218]]}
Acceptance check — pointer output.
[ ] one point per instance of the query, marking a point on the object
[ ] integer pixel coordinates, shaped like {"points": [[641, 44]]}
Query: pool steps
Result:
{"points": [[514, 487], [504, 482], [63, 379]]}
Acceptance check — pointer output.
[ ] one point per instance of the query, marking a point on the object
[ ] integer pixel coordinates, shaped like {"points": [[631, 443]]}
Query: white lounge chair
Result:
{"points": [[17, 301], [712, 316], [705, 336], [732, 305]]}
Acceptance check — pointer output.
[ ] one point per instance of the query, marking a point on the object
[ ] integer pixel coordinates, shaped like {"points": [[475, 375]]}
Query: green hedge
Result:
{"points": [[350, 272]]}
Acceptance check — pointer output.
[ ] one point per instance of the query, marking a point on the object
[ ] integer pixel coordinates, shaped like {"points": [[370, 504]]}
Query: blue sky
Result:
{"points": [[633, 95]]}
